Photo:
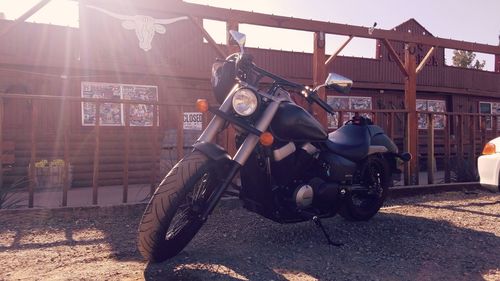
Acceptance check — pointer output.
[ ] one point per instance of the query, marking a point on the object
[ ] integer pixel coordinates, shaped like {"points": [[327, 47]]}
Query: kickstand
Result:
{"points": [[318, 223]]}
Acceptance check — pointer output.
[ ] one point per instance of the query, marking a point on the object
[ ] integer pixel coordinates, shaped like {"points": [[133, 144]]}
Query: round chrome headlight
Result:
{"points": [[245, 102]]}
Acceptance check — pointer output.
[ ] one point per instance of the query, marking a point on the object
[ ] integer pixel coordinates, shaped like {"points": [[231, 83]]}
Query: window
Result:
{"points": [[439, 121], [489, 108], [112, 114], [347, 104]]}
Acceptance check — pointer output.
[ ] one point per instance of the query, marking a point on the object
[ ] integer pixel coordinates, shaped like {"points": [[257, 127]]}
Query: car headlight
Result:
{"points": [[245, 102]]}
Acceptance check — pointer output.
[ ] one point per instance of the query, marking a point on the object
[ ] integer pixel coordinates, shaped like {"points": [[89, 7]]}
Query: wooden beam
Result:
{"points": [[334, 55], [219, 49], [221, 14], [395, 57], [23, 17], [426, 58]]}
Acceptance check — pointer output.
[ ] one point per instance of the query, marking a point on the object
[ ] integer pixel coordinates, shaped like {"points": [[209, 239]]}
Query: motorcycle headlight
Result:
{"points": [[245, 102]]}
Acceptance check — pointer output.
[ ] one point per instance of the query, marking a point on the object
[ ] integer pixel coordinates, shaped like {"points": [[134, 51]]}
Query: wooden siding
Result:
{"points": [[179, 64]]}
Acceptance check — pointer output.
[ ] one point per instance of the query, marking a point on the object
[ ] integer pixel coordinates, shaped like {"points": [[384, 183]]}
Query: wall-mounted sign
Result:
{"points": [[193, 121], [145, 27]]}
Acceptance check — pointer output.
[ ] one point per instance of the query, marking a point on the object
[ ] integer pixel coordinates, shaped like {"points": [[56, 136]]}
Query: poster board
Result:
{"points": [[348, 105], [439, 121], [112, 114]]}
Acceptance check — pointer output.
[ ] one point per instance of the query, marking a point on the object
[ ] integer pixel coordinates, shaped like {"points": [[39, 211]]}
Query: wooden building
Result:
{"points": [[104, 58]]}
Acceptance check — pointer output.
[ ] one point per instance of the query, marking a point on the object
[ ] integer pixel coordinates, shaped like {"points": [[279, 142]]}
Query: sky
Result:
{"points": [[456, 19]]}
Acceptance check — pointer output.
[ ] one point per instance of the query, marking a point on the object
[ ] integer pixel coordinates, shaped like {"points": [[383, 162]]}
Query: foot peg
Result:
{"points": [[318, 223]]}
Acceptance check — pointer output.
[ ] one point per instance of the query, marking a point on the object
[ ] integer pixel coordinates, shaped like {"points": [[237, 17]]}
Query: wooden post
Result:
{"points": [[127, 153], [406, 167], [460, 141], [447, 145], [472, 135], [340, 122], [155, 150], [495, 124], [1, 141], [180, 134], [411, 107], [319, 71], [34, 118], [430, 149], [390, 126], [95, 176], [66, 182], [483, 130]]}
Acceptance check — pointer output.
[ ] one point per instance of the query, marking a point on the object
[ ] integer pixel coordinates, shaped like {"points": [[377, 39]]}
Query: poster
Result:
{"points": [[439, 121], [112, 114], [348, 106], [140, 114]]}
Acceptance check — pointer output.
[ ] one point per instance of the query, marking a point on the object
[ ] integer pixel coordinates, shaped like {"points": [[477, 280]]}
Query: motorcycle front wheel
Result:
{"points": [[171, 218], [375, 176]]}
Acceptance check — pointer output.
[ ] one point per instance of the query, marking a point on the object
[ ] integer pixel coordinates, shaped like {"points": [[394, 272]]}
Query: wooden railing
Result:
{"points": [[67, 129], [462, 137]]}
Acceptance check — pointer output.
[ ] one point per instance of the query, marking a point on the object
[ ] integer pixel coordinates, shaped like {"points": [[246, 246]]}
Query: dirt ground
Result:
{"points": [[450, 236]]}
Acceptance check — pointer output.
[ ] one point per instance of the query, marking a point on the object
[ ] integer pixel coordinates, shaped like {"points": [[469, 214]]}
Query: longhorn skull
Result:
{"points": [[145, 26]]}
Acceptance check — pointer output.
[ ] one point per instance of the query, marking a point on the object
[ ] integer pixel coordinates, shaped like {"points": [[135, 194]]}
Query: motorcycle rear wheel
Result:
{"points": [[375, 175], [171, 218]]}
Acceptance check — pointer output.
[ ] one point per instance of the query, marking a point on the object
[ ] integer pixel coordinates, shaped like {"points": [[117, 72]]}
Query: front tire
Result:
{"points": [[171, 218], [374, 175]]}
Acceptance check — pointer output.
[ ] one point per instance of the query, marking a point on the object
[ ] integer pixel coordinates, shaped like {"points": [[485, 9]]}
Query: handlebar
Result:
{"points": [[313, 95], [246, 64]]}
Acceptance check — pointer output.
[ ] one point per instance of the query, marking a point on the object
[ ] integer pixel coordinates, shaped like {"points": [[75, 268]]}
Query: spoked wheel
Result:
{"points": [[172, 217], [189, 210], [376, 179]]}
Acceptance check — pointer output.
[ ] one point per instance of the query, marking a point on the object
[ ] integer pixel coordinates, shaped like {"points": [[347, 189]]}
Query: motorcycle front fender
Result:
{"points": [[212, 151]]}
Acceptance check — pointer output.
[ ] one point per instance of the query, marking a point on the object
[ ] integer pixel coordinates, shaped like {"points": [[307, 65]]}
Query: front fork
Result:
{"points": [[243, 153]]}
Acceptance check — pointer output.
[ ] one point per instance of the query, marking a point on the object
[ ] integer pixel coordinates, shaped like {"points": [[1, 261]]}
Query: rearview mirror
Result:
{"points": [[338, 82], [239, 38]]}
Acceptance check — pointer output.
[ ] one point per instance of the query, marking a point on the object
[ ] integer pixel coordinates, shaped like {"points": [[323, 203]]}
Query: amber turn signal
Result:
{"points": [[202, 105], [489, 148], [266, 139]]}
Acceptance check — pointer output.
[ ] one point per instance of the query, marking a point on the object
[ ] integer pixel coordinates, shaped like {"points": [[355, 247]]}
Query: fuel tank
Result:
{"points": [[293, 123]]}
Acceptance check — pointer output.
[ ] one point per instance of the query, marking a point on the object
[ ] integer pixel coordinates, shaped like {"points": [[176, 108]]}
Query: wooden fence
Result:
{"points": [[115, 156]]}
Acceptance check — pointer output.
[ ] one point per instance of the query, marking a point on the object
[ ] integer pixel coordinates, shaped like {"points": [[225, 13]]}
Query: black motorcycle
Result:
{"points": [[291, 169]]}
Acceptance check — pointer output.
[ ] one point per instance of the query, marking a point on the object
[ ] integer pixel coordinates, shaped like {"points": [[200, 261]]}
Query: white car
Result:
{"points": [[488, 165]]}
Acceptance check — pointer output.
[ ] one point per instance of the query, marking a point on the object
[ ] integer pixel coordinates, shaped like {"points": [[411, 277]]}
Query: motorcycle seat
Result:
{"points": [[350, 141]]}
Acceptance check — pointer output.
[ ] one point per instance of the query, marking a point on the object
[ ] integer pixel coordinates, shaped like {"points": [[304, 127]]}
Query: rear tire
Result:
{"points": [[375, 175], [171, 218]]}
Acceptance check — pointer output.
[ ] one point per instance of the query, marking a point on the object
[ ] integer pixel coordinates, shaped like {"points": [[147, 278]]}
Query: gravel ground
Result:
{"points": [[450, 236]]}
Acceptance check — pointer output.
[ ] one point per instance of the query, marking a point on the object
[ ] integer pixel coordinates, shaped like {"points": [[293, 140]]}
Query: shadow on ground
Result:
{"points": [[390, 247], [237, 245]]}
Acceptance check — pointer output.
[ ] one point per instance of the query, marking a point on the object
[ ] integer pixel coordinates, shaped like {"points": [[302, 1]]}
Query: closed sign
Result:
{"points": [[193, 121]]}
